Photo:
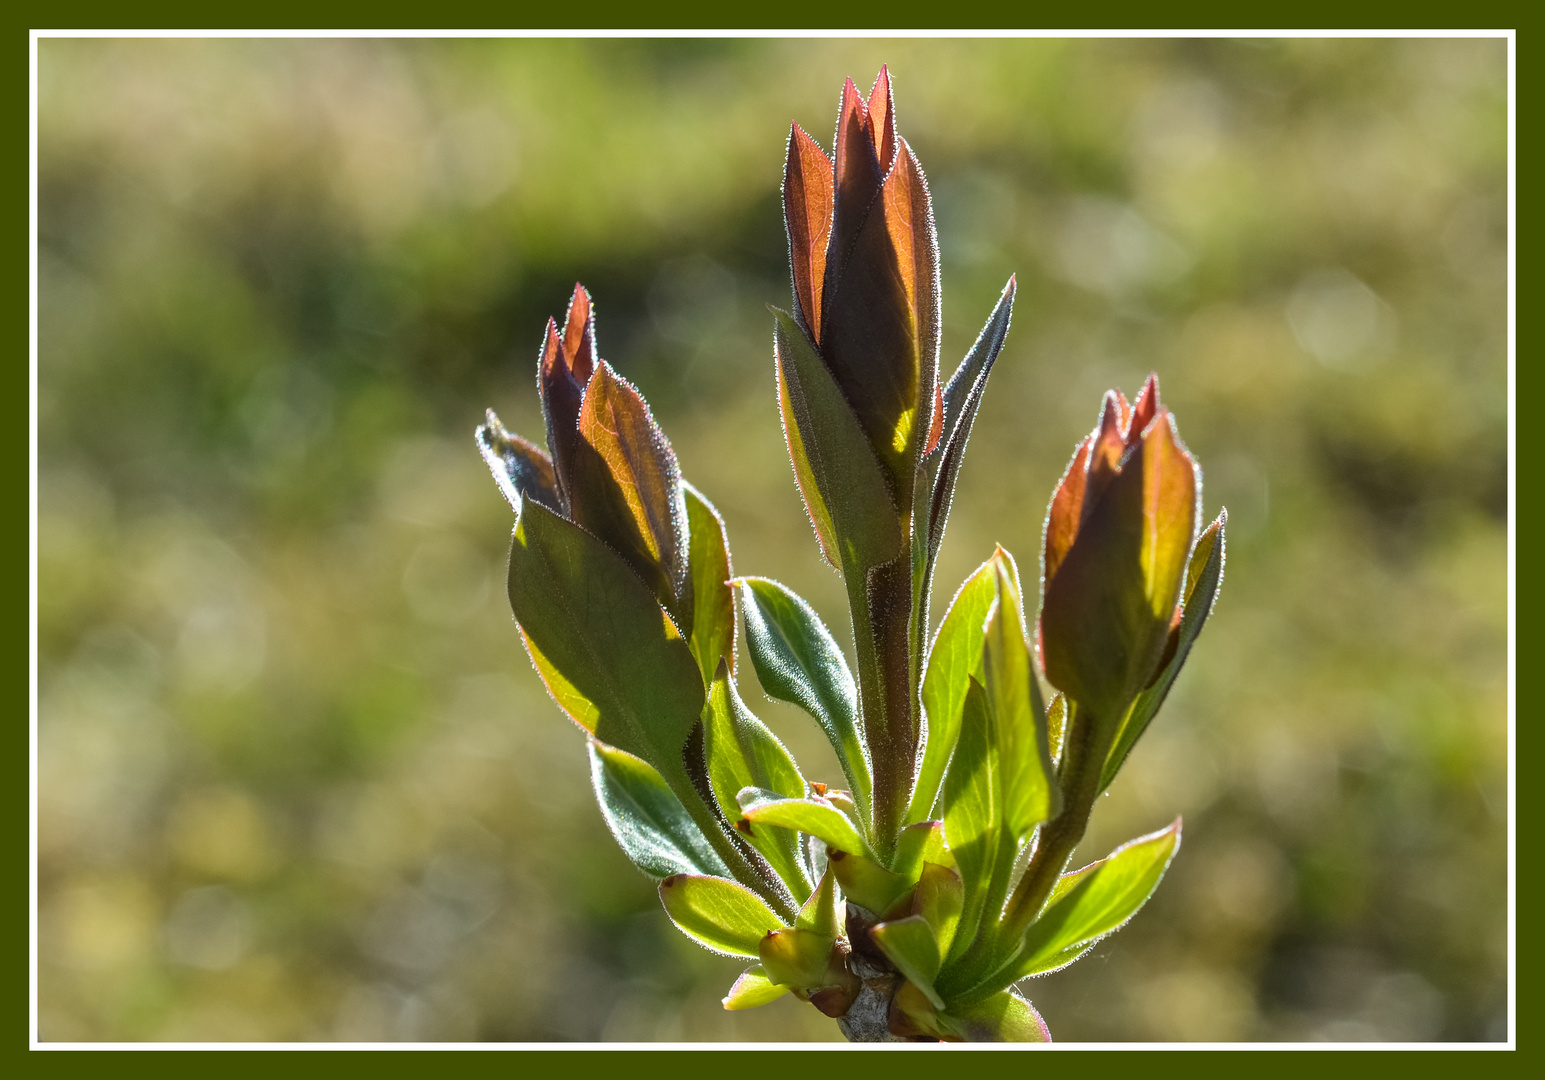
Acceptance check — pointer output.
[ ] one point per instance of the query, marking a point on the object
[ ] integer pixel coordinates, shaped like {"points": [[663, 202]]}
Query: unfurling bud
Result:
{"points": [[865, 265], [611, 470], [1120, 528]]}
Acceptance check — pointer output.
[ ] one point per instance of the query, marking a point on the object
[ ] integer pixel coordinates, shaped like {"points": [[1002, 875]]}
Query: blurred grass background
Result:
{"points": [[296, 777]]}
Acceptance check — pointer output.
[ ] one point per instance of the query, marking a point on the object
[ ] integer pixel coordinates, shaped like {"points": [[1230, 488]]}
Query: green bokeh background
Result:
{"points": [[297, 779]]}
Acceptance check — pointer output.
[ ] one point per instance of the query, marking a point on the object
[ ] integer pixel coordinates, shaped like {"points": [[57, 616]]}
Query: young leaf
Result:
{"points": [[649, 822], [1204, 574], [814, 816], [797, 661], [855, 494], [708, 571], [742, 753], [867, 883], [718, 914], [956, 655], [1019, 720], [919, 843], [612, 658], [939, 897], [753, 988], [520, 469], [821, 914], [972, 815], [910, 945], [1004, 1017], [627, 486], [1098, 903], [962, 398], [797, 958]]}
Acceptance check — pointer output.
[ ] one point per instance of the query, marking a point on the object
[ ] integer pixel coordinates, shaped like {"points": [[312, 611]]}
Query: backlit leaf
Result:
{"points": [[1014, 697], [812, 815], [611, 657], [956, 656], [1099, 902], [626, 486], [911, 946], [708, 571], [753, 988], [1004, 1017], [972, 815], [520, 469], [717, 913], [1203, 577]]}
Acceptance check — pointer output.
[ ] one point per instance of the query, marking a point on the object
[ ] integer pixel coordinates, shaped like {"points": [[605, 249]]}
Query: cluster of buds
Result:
{"points": [[909, 903]]}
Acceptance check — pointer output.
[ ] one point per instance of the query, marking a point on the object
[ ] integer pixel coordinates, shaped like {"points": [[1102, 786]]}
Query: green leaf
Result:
{"points": [[821, 914], [1204, 574], [1019, 719], [609, 654], [962, 398], [910, 945], [797, 661], [919, 843], [717, 913], [708, 570], [972, 815], [753, 988], [934, 484], [1098, 903], [867, 883], [742, 753], [939, 898], [955, 656], [813, 815], [1004, 1017], [797, 958], [649, 822], [855, 495]]}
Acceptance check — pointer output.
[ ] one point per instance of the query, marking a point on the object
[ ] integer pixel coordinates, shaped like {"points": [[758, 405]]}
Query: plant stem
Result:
{"points": [[1084, 749], [880, 599]]}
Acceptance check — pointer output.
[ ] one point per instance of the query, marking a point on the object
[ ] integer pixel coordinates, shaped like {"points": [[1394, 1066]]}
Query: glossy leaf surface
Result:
{"points": [[650, 824]]}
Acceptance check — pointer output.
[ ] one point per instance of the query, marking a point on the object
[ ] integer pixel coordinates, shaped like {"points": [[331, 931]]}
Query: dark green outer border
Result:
{"points": [[1528, 508]]}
